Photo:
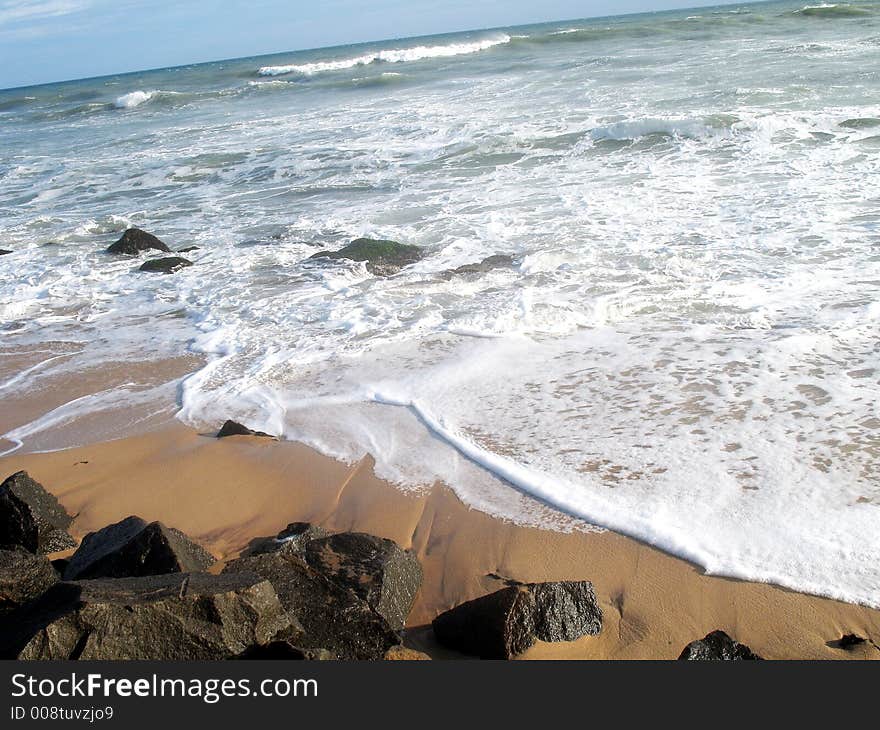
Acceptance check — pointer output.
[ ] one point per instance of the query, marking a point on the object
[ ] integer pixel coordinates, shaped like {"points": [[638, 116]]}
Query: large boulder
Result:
{"points": [[23, 577], [331, 617], [292, 539], [233, 428], [166, 265], [132, 548], [378, 570], [717, 646], [505, 623], [383, 258], [134, 240], [180, 617], [31, 517]]}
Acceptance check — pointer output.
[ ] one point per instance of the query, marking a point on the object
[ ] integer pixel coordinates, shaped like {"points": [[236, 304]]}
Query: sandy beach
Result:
{"points": [[224, 493]]}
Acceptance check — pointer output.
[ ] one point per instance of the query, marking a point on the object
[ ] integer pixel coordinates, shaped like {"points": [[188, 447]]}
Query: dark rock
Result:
{"points": [[165, 266], [188, 249], [330, 616], [383, 258], [231, 428], [292, 539], [848, 641], [285, 651], [4, 251], [504, 624], [180, 617], [134, 548], [378, 570], [31, 517], [134, 240], [717, 646], [23, 577], [861, 123], [498, 261]]}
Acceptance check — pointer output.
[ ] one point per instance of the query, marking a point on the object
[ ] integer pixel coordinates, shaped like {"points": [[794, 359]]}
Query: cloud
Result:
{"points": [[32, 11]]}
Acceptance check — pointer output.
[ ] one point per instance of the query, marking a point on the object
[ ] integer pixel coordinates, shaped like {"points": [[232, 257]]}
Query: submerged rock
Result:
{"points": [[31, 517], [330, 617], [292, 539], [134, 240], [504, 624], [498, 261], [23, 577], [231, 428], [165, 266], [181, 617], [132, 548], [717, 646], [383, 258], [378, 570], [188, 249]]}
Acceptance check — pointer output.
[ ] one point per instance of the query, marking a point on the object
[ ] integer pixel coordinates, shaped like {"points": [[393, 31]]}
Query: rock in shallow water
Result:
{"points": [[383, 258], [497, 261], [134, 240], [378, 570], [232, 428], [331, 617], [165, 266], [4, 251], [717, 646], [31, 517], [171, 617], [23, 577], [504, 624], [132, 548]]}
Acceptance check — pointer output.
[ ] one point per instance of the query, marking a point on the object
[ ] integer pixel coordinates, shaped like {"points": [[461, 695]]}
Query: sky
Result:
{"points": [[53, 40]]}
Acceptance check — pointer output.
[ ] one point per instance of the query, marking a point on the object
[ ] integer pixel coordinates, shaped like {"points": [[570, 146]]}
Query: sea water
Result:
{"points": [[684, 347]]}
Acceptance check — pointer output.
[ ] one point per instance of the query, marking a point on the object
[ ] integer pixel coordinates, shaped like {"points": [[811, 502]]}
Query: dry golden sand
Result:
{"points": [[226, 492]]}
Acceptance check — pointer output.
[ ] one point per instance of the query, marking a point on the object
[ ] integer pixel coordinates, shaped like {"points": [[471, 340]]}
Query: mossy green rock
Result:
{"points": [[383, 258]]}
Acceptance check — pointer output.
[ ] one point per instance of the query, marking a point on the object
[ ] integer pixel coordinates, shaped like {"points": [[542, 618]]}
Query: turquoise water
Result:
{"points": [[684, 347]]}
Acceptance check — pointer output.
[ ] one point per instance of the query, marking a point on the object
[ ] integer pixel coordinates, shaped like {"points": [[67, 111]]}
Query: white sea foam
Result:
{"points": [[134, 99], [395, 55]]}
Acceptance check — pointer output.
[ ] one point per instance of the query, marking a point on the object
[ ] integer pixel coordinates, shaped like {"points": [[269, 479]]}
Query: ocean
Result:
{"points": [[683, 345]]}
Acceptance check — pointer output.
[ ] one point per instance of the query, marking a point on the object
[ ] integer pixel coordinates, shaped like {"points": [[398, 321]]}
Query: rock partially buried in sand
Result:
{"points": [[717, 646], [134, 240], [232, 428], [331, 617], [504, 624], [23, 577], [378, 570], [848, 641], [133, 548], [31, 517], [292, 539], [181, 617], [165, 266], [383, 258]]}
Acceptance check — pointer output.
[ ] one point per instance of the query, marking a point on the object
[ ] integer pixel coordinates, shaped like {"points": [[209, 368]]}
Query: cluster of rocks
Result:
{"points": [[135, 241], [142, 590]]}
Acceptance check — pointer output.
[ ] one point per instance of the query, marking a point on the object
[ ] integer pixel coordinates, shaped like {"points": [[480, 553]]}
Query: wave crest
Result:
{"points": [[395, 55]]}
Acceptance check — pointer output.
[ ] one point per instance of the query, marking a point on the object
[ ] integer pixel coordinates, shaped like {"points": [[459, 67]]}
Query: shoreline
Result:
{"points": [[225, 493]]}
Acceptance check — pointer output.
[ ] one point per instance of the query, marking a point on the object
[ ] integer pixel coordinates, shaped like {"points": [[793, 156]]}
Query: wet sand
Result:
{"points": [[226, 492]]}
